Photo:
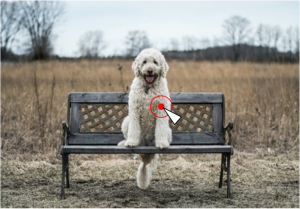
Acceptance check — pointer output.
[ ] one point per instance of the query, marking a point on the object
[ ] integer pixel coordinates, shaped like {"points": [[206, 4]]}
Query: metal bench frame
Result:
{"points": [[76, 142]]}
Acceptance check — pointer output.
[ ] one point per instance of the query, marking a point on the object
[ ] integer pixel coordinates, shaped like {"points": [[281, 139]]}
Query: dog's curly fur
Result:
{"points": [[141, 127]]}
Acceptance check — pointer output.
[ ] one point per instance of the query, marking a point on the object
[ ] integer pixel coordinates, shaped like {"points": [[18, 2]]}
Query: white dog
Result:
{"points": [[141, 127]]}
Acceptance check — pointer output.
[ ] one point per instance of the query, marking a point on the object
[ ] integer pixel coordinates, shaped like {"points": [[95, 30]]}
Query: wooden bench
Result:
{"points": [[94, 127]]}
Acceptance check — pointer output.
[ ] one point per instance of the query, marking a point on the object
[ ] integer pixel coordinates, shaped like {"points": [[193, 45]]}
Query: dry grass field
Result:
{"points": [[261, 99]]}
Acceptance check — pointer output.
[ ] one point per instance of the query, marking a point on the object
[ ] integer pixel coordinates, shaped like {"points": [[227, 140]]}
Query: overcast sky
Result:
{"points": [[163, 20]]}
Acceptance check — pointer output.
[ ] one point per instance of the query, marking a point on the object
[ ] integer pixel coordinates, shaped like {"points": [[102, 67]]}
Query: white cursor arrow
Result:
{"points": [[174, 117]]}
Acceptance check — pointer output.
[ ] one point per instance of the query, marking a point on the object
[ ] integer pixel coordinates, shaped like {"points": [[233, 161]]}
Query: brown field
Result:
{"points": [[261, 99]]}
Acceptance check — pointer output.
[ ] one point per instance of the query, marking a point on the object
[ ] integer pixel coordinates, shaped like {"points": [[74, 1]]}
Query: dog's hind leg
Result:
{"points": [[147, 166], [124, 129]]}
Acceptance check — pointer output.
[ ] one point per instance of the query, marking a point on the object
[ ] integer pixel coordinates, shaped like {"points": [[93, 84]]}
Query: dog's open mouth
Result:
{"points": [[150, 78]]}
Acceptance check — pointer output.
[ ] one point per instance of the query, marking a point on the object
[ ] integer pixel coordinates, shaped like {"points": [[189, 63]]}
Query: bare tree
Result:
{"points": [[174, 44], [276, 35], [216, 42], [284, 43], [296, 40], [190, 43], [91, 44], [10, 25], [205, 43], [39, 18], [236, 30], [260, 34], [136, 41], [268, 37], [289, 34], [264, 35]]}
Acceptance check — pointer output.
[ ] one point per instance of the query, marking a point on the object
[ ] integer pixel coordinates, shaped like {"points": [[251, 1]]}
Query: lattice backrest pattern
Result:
{"points": [[195, 118], [108, 118], [102, 117]]}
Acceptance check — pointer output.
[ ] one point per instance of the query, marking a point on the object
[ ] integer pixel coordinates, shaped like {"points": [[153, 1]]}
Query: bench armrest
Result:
{"points": [[65, 132], [228, 129]]}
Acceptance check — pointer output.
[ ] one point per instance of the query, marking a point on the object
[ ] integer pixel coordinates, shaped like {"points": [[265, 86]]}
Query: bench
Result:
{"points": [[94, 127]]}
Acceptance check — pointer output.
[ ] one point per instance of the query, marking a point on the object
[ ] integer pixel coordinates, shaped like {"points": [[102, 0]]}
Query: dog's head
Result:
{"points": [[150, 64]]}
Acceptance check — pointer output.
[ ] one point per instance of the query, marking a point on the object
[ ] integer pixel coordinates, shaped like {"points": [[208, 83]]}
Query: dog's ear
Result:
{"points": [[165, 66], [135, 67]]}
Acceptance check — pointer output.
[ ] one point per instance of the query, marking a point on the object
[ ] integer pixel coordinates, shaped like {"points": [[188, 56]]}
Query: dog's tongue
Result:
{"points": [[149, 79]]}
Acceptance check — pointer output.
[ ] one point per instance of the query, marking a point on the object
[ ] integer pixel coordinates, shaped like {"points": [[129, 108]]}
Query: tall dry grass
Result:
{"points": [[261, 99]]}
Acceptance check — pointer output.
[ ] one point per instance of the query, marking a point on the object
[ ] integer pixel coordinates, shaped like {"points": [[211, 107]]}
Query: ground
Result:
{"points": [[180, 181]]}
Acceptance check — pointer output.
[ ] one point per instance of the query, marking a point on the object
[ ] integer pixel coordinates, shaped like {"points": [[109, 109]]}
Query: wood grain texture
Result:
{"points": [[74, 123], [218, 118], [114, 139], [111, 98], [193, 149]]}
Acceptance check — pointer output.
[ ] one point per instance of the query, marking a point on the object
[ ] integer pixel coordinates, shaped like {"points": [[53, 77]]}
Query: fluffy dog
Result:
{"points": [[141, 127]]}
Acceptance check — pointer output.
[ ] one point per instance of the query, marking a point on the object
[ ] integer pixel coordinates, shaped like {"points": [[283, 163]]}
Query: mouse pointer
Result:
{"points": [[174, 117]]}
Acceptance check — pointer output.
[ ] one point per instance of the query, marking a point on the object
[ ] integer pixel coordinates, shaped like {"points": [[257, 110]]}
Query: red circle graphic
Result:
{"points": [[160, 104]]}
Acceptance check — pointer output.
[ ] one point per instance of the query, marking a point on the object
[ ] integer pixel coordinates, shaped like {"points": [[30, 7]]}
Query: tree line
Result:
{"points": [[33, 23]]}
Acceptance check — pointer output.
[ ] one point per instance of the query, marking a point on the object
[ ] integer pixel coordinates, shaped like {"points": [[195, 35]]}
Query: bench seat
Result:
{"points": [[173, 149]]}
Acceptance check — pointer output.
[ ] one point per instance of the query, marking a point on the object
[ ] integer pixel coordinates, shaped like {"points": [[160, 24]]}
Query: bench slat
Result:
{"points": [[114, 139], [194, 149], [218, 118], [110, 98]]}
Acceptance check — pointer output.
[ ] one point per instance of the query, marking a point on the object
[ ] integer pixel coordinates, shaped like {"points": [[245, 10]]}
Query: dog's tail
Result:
{"points": [[147, 166]]}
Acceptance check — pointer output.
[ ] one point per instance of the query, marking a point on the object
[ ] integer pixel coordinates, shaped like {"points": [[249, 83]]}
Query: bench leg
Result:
{"points": [[222, 170], [67, 171], [63, 163], [228, 176]]}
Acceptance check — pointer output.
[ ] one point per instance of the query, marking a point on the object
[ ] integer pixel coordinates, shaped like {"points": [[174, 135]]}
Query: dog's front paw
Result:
{"points": [[162, 144], [131, 143], [122, 143]]}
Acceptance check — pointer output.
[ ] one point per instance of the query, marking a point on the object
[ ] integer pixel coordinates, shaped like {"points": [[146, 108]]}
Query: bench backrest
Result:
{"points": [[96, 118]]}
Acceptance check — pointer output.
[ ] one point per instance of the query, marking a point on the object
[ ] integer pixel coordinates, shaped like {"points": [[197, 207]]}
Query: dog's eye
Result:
{"points": [[155, 62], [145, 62]]}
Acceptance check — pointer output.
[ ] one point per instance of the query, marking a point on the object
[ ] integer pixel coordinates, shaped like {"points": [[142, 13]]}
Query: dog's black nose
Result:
{"points": [[150, 71]]}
